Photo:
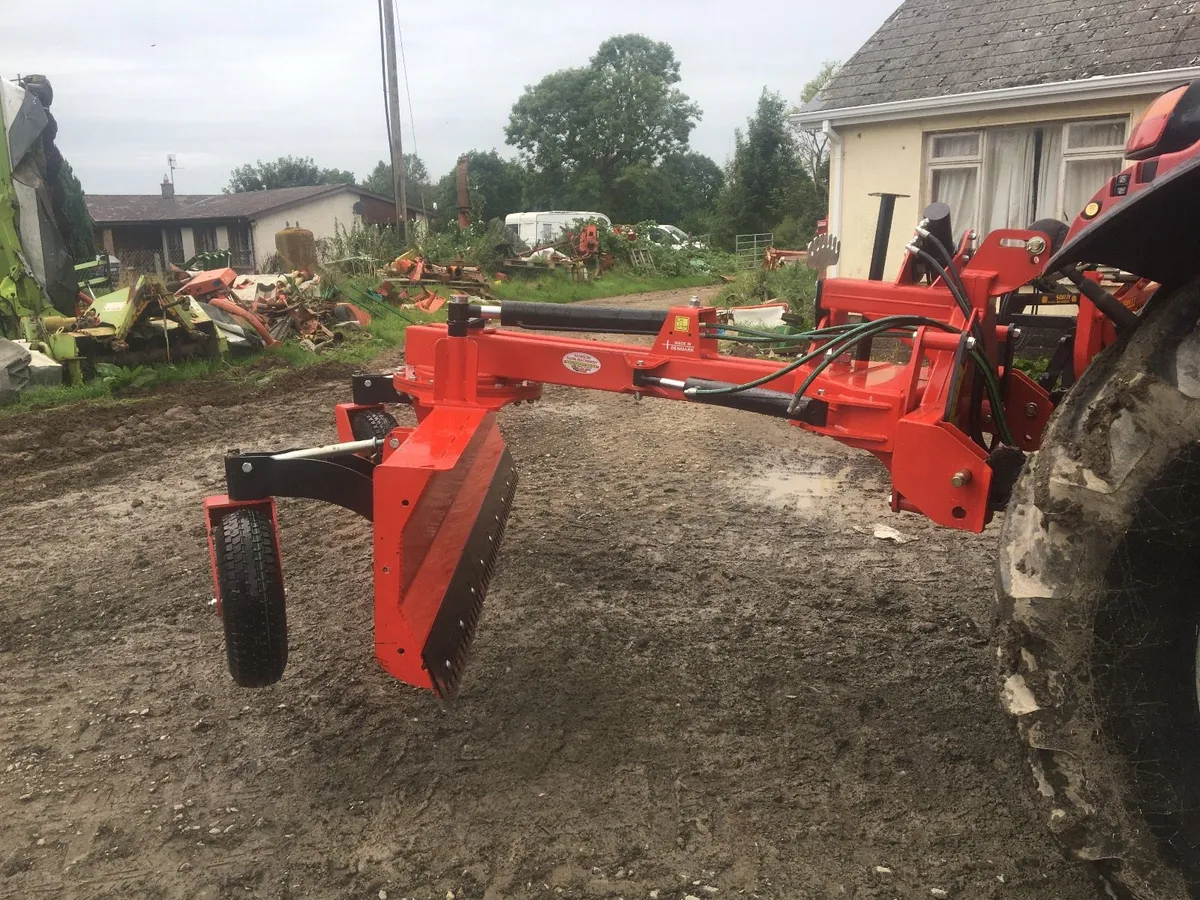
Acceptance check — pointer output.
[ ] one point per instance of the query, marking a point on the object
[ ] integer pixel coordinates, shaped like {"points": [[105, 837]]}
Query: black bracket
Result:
{"points": [[372, 390], [346, 481]]}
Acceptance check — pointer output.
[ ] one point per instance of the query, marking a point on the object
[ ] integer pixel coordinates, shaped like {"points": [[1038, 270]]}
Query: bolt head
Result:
{"points": [[1036, 245], [961, 478], [1031, 409], [366, 382], [246, 467], [394, 443]]}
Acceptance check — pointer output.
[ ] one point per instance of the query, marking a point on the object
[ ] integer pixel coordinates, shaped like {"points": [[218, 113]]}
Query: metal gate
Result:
{"points": [[750, 248]]}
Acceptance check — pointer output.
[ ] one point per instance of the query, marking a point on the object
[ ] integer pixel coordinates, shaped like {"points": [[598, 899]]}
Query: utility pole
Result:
{"points": [[388, 26]]}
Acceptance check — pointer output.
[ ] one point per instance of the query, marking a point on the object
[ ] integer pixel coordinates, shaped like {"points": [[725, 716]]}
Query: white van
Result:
{"points": [[540, 228]]}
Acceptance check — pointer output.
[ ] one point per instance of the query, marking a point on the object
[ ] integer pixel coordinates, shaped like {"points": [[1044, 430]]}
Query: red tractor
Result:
{"points": [[1098, 478]]}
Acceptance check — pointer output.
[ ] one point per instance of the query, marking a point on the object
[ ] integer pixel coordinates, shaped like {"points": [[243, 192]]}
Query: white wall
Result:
{"points": [[888, 156], [222, 237], [318, 216]]}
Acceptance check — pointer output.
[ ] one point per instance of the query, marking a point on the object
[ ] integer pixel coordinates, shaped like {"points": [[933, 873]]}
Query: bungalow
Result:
{"points": [[1007, 112], [135, 227]]}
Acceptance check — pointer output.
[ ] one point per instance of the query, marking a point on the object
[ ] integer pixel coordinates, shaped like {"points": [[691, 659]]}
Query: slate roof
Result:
{"points": [[933, 48], [131, 208]]}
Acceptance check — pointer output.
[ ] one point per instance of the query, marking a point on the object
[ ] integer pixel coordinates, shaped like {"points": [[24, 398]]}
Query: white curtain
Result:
{"points": [[1082, 178], [1086, 135], [957, 188], [955, 145], [1008, 202]]}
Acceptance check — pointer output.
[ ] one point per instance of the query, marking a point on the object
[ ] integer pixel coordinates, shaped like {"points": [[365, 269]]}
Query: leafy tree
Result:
{"points": [[496, 187], [677, 190], [621, 110], [287, 171], [766, 181], [813, 146], [416, 180]]}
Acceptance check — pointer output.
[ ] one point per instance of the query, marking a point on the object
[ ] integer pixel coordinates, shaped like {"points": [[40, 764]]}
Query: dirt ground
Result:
{"points": [[694, 676]]}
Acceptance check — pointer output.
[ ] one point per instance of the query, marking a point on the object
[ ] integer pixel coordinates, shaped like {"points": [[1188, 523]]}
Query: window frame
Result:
{"points": [[955, 162], [1083, 154], [979, 161]]}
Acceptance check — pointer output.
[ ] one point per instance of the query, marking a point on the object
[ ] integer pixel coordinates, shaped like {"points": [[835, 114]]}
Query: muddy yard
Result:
{"points": [[695, 676]]}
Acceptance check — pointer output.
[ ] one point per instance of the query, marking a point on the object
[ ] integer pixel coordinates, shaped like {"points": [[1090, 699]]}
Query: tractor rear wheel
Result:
{"points": [[252, 603], [1098, 586]]}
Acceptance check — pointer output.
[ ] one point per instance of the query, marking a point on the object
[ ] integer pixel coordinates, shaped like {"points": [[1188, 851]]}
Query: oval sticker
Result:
{"points": [[582, 363]]}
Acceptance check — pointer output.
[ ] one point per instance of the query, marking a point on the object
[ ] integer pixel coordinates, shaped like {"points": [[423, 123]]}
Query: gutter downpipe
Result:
{"points": [[837, 164]]}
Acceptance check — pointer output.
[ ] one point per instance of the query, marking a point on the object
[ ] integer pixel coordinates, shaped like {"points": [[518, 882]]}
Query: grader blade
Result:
{"points": [[442, 501]]}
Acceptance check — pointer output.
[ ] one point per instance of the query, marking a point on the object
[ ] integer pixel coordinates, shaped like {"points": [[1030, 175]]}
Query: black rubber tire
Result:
{"points": [[252, 599], [1098, 619], [371, 423]]}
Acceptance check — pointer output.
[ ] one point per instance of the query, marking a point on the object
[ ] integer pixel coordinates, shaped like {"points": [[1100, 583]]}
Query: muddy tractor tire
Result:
{"points": [[252, 601], [1099, 610]]}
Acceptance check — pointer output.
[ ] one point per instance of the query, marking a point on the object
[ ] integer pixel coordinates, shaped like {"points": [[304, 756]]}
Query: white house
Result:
{"points": [[178, 226], [1009, 112]]}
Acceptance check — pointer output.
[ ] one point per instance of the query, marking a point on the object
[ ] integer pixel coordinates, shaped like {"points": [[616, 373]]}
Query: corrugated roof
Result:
{"points": [[934, 48]]}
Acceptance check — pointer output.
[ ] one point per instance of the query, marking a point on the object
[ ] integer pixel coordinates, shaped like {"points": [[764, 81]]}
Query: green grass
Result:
{"points": [[558, 287]]}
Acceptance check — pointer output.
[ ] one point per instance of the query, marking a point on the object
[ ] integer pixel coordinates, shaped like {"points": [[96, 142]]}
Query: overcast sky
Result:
{"points": [[224, 82]]}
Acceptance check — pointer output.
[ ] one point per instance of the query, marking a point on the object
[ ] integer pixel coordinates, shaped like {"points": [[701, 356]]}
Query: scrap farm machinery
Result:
{"points": [[1100, 543]]}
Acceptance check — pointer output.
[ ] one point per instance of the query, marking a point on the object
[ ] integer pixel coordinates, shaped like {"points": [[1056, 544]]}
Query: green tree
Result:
{"points": [[766, 181], [813, 146], [580, 129], [287, 171], [416, 180], [496, 187], [682, 188]]}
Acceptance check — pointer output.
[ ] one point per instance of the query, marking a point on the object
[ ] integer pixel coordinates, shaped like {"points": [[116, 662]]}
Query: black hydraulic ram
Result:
{"points": [[598, 319], [757, 400]]}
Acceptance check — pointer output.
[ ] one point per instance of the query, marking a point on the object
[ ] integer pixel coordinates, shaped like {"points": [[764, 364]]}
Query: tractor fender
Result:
{"points": [[1145, 220]]}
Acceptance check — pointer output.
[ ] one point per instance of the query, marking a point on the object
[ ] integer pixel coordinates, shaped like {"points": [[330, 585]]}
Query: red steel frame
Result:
{"points": [[896, 411]]}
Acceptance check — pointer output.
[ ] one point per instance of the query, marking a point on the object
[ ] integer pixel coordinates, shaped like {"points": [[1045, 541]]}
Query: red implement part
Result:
{"points": [[429, 301], [441, 503], [912, 415], [206, 282]]}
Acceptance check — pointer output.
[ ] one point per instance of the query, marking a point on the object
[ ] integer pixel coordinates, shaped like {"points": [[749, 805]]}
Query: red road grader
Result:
{"points": [[1100, 543]]}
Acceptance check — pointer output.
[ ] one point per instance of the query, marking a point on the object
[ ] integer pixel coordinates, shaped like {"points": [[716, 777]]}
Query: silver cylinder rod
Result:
{"points": [[489, 312], [371, 444]]}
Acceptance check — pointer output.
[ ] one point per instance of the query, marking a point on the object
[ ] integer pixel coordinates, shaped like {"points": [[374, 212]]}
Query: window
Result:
{"points": [[174, 244], [1010, 176], [240, 256], [1094, 154], [205, 237], [954, 173]]}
